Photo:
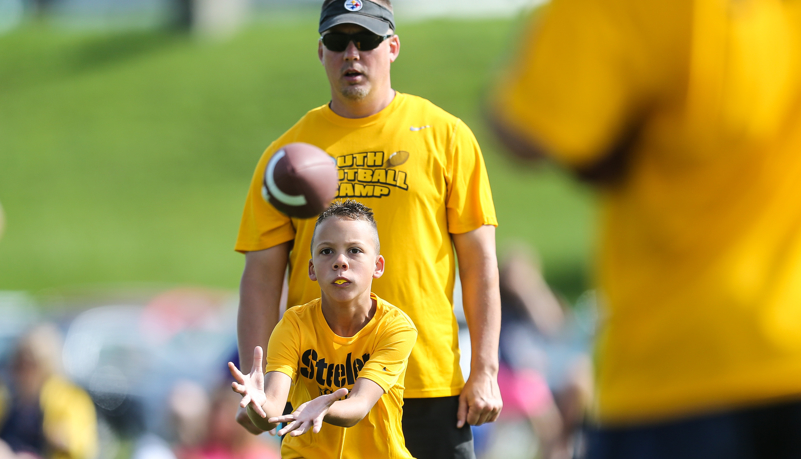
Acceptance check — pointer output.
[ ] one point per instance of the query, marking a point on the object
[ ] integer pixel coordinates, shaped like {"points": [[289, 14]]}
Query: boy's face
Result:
{"points": [[344, 259]]}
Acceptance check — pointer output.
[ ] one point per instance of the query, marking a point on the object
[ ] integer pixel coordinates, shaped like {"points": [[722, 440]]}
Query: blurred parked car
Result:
{"points": [[129, 356]]}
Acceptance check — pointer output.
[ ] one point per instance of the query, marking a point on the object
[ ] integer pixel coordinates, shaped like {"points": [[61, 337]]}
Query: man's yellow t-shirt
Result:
{"points": [[700, 250], [422, 172], [319, 362]]}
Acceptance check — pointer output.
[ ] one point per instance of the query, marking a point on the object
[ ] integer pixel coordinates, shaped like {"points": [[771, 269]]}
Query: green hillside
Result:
{"points": [[125, 157]]}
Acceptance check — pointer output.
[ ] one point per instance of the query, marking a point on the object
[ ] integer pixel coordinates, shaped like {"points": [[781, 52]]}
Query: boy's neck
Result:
{"points": [[347, 319]]}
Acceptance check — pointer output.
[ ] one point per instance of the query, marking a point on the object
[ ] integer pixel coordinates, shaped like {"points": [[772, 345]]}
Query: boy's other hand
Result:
{"points": [[251, 386], [309, 415], [243, 419]]}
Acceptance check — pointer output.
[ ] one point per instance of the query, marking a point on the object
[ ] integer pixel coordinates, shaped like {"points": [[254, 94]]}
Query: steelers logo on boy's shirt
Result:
{"points": [[330, 375]]}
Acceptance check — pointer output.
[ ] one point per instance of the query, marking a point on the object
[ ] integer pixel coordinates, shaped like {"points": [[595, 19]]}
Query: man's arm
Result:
{"points": [[611, 166], [480, 400], [259, 300], [514, 142]]}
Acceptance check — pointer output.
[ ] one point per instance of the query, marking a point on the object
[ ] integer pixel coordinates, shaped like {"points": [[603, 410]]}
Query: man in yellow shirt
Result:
{"points": [[688, 113], [347, 342], [421, 170]]}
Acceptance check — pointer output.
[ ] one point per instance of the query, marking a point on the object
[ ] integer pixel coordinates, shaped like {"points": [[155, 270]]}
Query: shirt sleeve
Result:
{"points": [[469, 200], [262, 225], [388, 362], [283, 349], [575, 85]]}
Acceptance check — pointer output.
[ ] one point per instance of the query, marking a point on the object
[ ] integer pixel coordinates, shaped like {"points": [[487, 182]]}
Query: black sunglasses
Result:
{"points": [[364, 41]]}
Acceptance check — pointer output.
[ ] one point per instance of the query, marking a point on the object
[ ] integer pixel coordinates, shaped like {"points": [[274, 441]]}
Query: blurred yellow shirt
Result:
{"points": [[69, 418], [422, 172], [319, 362], [700, 249]]}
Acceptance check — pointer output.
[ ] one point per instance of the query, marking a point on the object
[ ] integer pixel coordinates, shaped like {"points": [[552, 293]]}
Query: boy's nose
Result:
{"points": [[341, 262]]}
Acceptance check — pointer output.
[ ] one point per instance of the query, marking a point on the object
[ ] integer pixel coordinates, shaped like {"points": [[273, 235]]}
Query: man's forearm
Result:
{"points": [[259, 299], [482, 308], [256, 318], [478, 270]]}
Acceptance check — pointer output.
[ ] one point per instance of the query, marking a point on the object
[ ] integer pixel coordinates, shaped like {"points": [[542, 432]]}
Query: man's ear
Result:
{"points": [[320, 50], [394, 48], [312, 275], [379, 267]]}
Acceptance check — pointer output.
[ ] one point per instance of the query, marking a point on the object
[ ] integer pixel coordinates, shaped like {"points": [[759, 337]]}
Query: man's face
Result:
{"points": [[344, 259], [355, 74]]}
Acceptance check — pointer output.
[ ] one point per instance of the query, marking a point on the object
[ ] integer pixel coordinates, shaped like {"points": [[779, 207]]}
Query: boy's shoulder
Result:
{"points": [[393, 314], [303, 311]]}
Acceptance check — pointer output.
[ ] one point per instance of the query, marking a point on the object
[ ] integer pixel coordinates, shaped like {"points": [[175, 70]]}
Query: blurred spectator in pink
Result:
{"points": [[206, 429], [545, 375]]}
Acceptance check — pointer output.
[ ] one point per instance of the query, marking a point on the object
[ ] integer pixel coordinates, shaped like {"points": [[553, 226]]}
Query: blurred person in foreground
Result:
{"points": [[687, 115], [46, 416], [348, 342], [422, 172]]}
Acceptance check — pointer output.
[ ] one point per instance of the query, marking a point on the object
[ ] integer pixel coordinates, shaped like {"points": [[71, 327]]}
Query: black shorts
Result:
{"points": [[771, 432], [429, 427]]}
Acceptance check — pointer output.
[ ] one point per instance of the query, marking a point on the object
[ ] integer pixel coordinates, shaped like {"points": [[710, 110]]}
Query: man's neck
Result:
{"points": [[362, 108], [347, 319]]}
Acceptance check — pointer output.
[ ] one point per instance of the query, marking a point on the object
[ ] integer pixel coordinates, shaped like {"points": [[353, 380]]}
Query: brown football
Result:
{"points": [[300, 180]]}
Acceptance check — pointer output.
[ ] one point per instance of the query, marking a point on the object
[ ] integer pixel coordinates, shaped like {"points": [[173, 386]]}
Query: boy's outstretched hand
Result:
{"points": [[308, 415], [251, 386]]}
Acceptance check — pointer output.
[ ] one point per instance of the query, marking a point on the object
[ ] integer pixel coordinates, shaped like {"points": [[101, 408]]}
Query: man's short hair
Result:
{"points": [[350, 210], [385, 3]]}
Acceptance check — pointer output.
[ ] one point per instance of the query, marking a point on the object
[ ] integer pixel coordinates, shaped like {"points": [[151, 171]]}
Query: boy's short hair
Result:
{"points": [[350, 210]]}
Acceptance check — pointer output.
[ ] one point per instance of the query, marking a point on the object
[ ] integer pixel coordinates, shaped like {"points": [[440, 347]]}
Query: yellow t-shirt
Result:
{"points": [[68, 415], [700, 250], [422, 172], [319, 362]]}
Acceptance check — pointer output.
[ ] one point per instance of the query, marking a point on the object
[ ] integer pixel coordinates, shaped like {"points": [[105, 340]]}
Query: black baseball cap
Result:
{"points": [[365, 13]]}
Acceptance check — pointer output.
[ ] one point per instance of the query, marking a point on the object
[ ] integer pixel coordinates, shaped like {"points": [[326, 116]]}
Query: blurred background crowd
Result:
{"points": [[128, 133]]}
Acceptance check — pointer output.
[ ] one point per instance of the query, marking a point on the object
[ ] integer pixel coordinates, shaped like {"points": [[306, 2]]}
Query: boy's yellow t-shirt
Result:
{"points": [[421, 171], [319, 362]]}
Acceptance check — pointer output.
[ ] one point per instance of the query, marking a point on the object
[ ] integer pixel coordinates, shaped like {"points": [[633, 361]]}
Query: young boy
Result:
{"points": [[348, 341]]}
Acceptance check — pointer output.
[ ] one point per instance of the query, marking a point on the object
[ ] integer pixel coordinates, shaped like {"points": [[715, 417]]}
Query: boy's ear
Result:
{"points": [[379, 267], [312, 275]]}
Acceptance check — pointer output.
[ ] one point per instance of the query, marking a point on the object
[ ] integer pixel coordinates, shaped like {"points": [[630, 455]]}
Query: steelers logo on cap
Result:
{"points": [[353, 5]]}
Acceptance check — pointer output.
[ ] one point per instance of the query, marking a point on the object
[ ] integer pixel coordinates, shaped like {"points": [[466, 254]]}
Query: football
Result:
{"points": [[300, 180]]}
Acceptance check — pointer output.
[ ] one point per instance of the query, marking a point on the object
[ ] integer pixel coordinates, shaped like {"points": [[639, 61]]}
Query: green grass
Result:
{"points": [[126, 157]]}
